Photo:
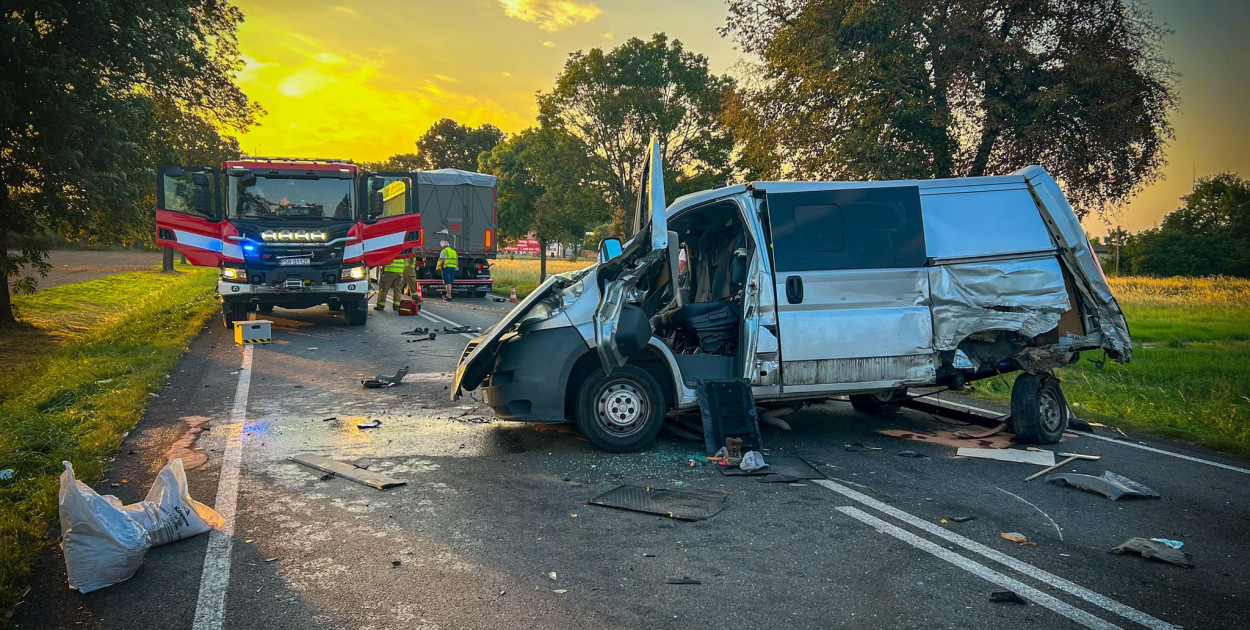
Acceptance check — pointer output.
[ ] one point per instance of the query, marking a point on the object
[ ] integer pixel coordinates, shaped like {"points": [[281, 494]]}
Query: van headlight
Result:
{"points": [[233, 274], [352, 273]]}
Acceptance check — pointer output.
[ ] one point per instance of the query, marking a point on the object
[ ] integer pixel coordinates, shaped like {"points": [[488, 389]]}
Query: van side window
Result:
{"points": [[851, 228]]}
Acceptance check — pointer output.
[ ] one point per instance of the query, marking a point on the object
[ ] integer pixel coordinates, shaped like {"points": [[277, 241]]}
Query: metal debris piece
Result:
{"points": [[461, 329], [913, 454], [1110, 485], [682, 581], [984, 434], [963, 519], [1154, 550], [1007, 596], [1018, 538], [372, 424], [330, 419], [421, 332], [347, 471], [552, 575], [382, 380], [682, 505], [1040, 458], [560, 591]]}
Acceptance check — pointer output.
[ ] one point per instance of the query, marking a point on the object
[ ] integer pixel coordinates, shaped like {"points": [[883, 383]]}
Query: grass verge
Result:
{"points": [[522, 273], [1190, 374], [74, 378]]}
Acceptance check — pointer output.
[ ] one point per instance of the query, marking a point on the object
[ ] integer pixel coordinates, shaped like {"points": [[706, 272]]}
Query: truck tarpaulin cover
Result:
{"points": [[458, 207]]}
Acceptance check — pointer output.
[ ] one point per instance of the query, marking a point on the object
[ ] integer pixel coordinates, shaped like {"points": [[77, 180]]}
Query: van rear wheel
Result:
{"points": [[622, 411], [1039, 411]]}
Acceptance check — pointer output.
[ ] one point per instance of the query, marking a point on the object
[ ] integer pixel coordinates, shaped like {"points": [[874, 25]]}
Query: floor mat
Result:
{"points": [[786, 467], [683, 505]]}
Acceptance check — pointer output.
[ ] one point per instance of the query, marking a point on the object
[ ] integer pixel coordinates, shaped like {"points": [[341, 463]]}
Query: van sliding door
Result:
{"points": [[851, 288]]}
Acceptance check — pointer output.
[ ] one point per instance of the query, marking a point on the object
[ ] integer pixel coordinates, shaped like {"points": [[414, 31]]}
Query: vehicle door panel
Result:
{"points": [[188, 213], [851, 288], [395, 228]]}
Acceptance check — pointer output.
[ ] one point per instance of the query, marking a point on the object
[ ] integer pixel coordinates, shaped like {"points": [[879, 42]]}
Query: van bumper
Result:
{"points": [[531, 372]]}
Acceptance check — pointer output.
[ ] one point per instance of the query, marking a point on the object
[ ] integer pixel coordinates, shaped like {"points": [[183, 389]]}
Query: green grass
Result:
{"points": [[74, 378], [1190, 374], [522, 273]]}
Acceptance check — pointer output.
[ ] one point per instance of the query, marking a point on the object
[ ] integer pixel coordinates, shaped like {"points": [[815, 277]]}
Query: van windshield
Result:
{"points": [[253, 196]]}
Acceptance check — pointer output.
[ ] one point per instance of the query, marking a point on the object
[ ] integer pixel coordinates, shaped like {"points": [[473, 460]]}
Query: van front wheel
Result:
{"points": [[1039, 411], [622, 411]]}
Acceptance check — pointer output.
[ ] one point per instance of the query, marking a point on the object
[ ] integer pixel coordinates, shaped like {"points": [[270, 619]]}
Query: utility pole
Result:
{"points": [[1118, 238]]}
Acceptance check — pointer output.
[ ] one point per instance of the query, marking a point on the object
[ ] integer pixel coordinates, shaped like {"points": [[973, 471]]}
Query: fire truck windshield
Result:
{"points": [[254, 196]]}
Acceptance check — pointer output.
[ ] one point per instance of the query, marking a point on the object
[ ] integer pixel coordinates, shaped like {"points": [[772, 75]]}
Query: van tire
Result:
{"points": [[334, 305], [357, 312], [632, 397], [232, 312], [879, 404], [1039, 411], [265, 308]]}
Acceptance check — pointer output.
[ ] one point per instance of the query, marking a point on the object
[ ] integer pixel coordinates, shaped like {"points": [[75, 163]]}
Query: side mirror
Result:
{"points": [[609, 248], [376, 205]]}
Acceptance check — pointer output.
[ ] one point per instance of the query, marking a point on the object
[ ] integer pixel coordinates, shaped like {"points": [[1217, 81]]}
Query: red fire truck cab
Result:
{"points": [[287, 232]]}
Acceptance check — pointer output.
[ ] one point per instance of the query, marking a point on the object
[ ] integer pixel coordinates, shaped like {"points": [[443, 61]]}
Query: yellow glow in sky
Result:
{"points": [[363, 80]]}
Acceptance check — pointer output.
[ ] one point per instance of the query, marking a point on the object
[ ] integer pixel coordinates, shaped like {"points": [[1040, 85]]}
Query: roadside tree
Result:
{"points": [[614, 101], [94, 94], [870, 89]]}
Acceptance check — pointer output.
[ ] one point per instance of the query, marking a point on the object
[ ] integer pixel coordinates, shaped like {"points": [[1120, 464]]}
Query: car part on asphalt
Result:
{"points": [[382, 380], [963, 519], [912, 454], [728, 410], [1154, 550], [1040, 458], [347, 471], [1008, 597], [682, 505], [787, 465], [1110, 485], [372, 424]]}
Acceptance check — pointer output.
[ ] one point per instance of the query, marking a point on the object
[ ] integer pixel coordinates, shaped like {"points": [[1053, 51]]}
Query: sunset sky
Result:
{"points": [[363, 80]]}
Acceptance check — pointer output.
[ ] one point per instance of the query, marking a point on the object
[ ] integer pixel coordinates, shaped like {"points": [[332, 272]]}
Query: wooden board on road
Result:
{"points": [[347, 471]]}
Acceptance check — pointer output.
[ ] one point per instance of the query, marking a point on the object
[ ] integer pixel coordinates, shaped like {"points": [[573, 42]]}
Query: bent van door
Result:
{"points": [[391, 225], [188, 213], [850, 284]]}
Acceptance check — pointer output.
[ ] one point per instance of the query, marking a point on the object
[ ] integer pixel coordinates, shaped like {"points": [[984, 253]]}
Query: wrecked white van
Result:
{"points": [[809, 290]]}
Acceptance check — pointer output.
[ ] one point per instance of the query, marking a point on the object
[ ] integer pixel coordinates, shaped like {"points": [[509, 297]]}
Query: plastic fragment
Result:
{"points": [[1018, 538]]}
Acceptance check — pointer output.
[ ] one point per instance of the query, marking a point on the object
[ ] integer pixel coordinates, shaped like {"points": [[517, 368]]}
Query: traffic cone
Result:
{"points": [[512, 298], [419, 296]]}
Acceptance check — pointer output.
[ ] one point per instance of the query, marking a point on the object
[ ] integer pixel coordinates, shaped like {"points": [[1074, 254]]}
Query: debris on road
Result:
{"points": [[1154, 550], [552, 575], [752, 461], [1077, 424], [912, 454], [1007, 596], [682, 505], [1039, 457], [1018, 538], [682, 581], [1175, 544], [788, 466], [461, 330], [347, 471], [963, 519], [1049, 469], [856, 446], [950, 438], [982, 435], [728, 410], [330, 419], [560, 591], [1110, 485], [419, 331], [382, 380], [372, 424]]}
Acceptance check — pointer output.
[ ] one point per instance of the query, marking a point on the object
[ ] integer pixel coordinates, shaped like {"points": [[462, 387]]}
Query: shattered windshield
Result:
{"points": [[254, 196]]}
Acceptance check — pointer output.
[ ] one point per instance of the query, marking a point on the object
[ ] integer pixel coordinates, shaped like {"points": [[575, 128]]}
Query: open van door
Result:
{"points": [[647, 248], [390, 223], [189, 213]]}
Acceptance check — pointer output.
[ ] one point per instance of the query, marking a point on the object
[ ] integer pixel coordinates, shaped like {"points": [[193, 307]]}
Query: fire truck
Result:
{"points": [[289, 232]]}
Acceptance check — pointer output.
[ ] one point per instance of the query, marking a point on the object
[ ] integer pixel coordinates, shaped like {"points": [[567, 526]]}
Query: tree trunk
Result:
{"points": [[167, 259], [6, 304], [542, 261]]}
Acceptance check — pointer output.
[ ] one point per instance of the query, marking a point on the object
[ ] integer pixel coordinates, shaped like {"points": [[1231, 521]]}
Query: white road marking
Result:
{"points": [[1030, 504], [1136, 445], [211, 607], [994, 577], [435, 318], [1036, 573]]}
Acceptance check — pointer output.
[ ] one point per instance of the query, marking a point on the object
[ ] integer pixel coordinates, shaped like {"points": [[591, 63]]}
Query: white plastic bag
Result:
{"points": [[103, 545], [752, 460], [169, 513]]}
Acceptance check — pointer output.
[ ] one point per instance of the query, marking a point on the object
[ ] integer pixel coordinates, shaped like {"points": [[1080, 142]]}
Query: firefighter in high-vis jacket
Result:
{"points": [[392, 280]]}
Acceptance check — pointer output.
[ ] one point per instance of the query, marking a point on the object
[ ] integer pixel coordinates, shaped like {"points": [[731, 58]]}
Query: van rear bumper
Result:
{"points": [[531, 373]]}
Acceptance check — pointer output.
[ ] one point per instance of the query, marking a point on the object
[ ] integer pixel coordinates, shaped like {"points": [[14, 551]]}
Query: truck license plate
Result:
{"points": [[286, 262]]}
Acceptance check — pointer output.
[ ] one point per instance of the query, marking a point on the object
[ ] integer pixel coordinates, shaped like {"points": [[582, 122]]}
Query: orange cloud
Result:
{"points": [[551, 15]]}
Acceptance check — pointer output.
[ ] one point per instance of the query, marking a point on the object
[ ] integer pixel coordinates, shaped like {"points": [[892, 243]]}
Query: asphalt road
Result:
{"points": [[492, 508]]}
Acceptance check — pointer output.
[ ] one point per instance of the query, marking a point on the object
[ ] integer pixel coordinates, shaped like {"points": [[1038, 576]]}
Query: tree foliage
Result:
{"points": [[544, 188], [449, 144], [1208, 235], [92, 96], [615, 101], [886, 89]]}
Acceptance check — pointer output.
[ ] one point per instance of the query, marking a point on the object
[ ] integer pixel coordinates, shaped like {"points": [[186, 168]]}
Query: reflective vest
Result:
{"points": [[395, 266], [449, 259]]}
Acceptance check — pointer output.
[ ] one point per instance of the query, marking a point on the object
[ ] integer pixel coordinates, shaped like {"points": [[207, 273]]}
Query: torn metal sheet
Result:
{"points": [[1025, 296], [1040, 458], [1154, 550], [1110, 485], [793, 468], [347, 471], [682, 505]]}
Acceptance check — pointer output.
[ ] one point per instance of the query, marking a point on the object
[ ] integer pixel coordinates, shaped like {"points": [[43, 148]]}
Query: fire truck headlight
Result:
{"points": [[353, 273], [233, 274]]}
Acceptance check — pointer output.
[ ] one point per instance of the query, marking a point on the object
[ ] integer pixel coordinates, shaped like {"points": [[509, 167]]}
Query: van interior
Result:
{"points": [[701, 322]]}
